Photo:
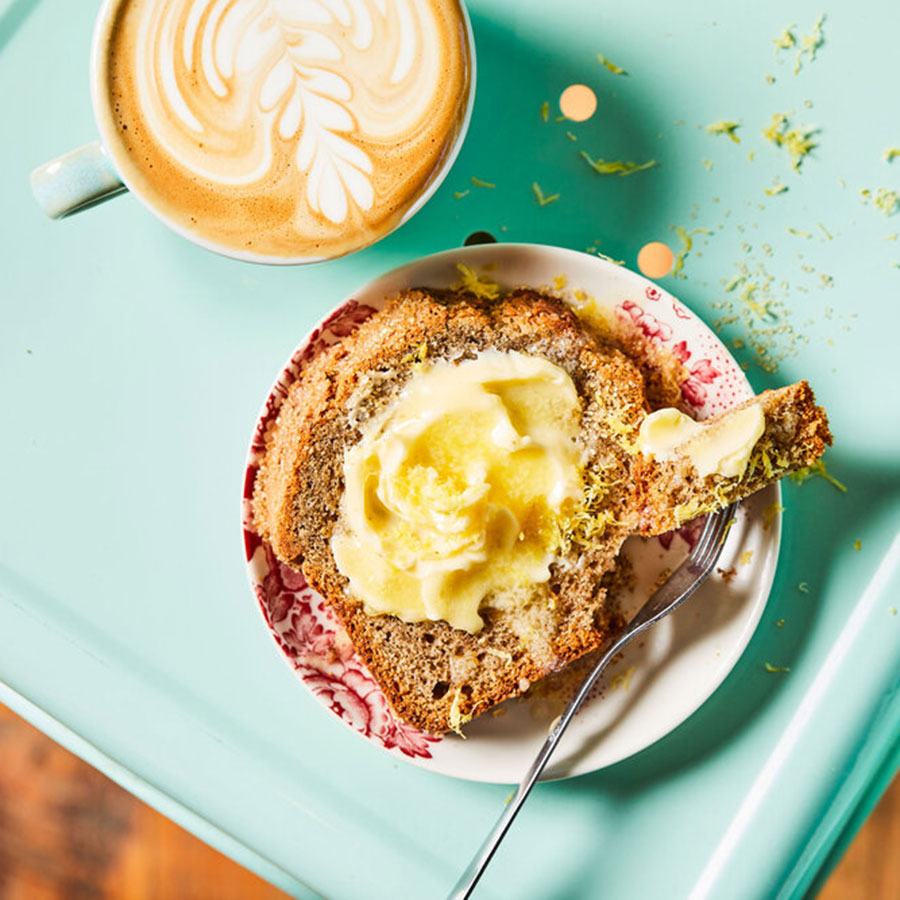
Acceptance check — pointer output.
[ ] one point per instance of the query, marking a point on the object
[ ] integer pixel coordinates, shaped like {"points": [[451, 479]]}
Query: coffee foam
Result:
{"points": [[286, 128]]}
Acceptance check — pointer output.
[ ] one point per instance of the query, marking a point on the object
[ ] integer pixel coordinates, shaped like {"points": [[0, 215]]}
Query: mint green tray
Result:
{"points": [[132, 365]]}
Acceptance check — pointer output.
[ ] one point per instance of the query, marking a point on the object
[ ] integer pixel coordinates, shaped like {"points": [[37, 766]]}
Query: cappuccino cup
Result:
{"points": [[273, 131]]}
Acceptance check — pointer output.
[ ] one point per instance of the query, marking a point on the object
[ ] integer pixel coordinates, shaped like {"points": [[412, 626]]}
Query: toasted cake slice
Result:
{"points": [[435, 676], [669, 493]]}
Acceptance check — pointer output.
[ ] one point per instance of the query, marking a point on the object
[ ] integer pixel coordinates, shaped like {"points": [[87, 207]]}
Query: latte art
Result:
{"points": [[288, 127]]}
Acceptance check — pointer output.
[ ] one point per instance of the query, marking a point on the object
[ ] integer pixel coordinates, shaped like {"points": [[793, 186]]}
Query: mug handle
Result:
{"points": [[75, 181]]}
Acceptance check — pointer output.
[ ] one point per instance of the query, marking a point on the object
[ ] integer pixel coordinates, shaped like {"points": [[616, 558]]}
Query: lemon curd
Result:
{"points": [[458, 492], [720, 448]]}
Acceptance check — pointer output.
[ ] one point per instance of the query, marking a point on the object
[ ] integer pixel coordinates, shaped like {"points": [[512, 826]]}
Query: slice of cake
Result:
{"points": [[456, 478], [771, 435]]}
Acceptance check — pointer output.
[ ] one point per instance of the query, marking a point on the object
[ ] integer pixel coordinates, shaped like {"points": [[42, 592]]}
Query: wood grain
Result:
{"points": [[69, 833]]}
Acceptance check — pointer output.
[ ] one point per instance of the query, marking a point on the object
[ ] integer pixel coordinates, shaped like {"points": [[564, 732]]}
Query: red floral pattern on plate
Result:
{"points": [[303, 625], [648, 324]]}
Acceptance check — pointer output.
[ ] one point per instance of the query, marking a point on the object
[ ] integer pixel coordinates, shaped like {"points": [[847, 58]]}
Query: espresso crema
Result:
{"points": [[286, 128]]}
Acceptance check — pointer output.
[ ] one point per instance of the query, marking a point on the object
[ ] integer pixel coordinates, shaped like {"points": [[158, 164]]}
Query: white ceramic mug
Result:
{"points": [[98, 171]]}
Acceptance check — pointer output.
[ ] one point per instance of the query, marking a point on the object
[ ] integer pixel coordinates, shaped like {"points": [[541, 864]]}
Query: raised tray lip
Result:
{"points": [[151, 794]]}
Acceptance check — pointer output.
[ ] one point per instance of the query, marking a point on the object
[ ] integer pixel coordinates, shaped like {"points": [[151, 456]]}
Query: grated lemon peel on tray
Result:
{"points": [[616, 70], [726, 128], [786, 39], [884, 200], [618, 167], [623, 680], [687, 244], [810, 43], [594, 250], [796, 140], [482, 184], [541, 197], [817, 468]]}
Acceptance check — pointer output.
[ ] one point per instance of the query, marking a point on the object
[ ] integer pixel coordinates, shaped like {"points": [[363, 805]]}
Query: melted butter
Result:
{"points": [[459, 490], [721, 447]]}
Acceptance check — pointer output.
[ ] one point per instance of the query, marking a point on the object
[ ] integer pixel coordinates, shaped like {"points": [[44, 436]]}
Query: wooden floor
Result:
{"points": [[66, 831]]}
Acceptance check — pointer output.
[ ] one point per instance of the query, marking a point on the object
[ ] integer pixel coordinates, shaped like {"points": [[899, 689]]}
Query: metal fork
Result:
{"points": [[677, 588]]}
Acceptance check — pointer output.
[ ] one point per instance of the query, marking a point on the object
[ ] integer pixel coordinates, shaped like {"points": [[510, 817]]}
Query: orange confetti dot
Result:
{"points": [[578, 102], [655, 259]]}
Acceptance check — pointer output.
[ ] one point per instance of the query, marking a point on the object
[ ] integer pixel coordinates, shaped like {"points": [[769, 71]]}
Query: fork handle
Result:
{"points": [[469, 878], [680, 585]]}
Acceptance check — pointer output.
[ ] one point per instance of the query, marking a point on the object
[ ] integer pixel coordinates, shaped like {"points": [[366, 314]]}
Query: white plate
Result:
{"points": [[660, 680]]}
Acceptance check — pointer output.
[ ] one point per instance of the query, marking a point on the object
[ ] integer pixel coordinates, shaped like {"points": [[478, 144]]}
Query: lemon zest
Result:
{"points": [[810, 44], [618, 167], [455, 718], [785, 40], [541, 198], [797, 140], [817, 468], [723, 127], [623, 679], [687, 244], [616, 70], [483, 184], [770, 513], [480, 287], [684, 512], [590, 519], [886, 201]]}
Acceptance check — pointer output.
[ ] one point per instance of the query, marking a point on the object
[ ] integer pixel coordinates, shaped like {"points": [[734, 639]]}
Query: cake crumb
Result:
{"points": [[727, 574]]}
